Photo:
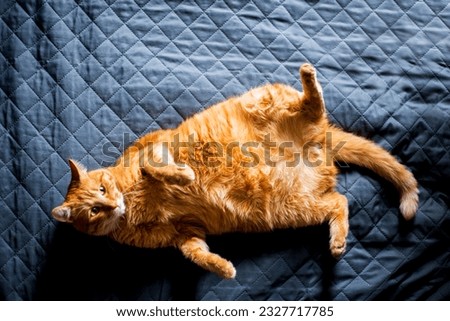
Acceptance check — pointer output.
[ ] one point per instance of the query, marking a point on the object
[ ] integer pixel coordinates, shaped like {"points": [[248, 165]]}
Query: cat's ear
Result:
{"points": [[77, 170], [62, 214]]}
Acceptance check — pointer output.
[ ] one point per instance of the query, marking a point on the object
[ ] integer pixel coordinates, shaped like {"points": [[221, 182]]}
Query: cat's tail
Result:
{"points": [[349, 148]]}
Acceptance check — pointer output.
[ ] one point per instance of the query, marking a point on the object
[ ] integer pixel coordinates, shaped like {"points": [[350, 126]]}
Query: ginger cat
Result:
{"points": [[257, 162]]}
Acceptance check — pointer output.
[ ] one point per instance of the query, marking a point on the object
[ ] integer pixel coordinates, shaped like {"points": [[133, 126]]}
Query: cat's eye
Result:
{"points": [[95, 210], [102, 189]]}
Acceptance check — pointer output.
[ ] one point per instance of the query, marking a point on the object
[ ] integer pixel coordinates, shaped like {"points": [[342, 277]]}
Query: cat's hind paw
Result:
{"points": [[307, 71], [337, 248]]}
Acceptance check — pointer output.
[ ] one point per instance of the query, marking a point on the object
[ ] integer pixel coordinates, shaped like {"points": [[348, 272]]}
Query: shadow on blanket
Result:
{"points": [[81, 267]]}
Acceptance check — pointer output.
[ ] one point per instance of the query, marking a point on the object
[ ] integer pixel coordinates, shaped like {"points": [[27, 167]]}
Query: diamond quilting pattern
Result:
{"points": [[82, 79]]}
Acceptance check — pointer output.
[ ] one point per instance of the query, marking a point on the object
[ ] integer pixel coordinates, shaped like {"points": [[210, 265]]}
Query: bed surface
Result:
{"points": [[83, 79]]}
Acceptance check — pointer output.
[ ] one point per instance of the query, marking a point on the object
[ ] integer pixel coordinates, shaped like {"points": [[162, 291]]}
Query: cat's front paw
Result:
{"points": [[227, 271], [180, 175], [198, 252]]}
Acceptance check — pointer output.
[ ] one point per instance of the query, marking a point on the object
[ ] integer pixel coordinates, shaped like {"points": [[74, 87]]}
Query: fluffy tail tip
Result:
{"points": [[409, 202]]}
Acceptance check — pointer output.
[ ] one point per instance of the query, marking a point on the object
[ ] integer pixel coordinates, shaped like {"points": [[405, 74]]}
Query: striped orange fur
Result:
{"points": [[257, 162]]}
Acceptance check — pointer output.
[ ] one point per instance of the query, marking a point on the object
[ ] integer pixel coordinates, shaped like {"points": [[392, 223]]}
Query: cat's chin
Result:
{"points": [[119, 211]]}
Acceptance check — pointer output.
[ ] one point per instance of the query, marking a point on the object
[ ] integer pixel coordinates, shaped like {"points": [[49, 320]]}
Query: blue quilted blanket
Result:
{"points": [[83, 79]]}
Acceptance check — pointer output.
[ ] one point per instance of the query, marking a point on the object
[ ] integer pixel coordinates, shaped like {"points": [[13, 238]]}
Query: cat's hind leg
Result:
{"points": [[331, 207], [338, 221], [198, 252], [312, 104]]}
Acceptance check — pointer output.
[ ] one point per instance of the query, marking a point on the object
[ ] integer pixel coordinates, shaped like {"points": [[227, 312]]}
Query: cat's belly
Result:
{"points": [[271, 197], [254, 199]]}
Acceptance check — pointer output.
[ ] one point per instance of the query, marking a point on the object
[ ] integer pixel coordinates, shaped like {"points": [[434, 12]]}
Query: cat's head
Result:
{"points": [[93, 204]]}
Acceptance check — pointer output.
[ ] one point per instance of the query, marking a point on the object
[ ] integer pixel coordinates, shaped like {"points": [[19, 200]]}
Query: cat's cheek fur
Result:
{"points": [[103, 226]]}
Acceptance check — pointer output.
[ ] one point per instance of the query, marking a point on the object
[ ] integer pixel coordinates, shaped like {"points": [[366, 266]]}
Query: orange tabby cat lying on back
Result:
{"points": [[257, 162]]}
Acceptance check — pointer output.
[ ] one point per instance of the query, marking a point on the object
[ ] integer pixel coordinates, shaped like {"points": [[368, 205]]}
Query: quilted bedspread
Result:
{"points": [[83, 79]]}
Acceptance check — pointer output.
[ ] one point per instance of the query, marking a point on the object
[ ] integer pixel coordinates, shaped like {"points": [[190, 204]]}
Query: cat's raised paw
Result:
{"points": [[307, 70]]}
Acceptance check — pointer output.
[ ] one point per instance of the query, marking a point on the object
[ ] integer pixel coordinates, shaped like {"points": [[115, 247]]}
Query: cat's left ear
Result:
{"points": [[62, 214], [77, 170]]}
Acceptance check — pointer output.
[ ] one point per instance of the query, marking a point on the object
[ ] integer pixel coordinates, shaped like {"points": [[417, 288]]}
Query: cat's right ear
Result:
{"points": [[77, 170], [62, 214]]}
